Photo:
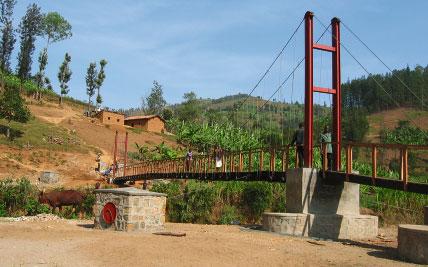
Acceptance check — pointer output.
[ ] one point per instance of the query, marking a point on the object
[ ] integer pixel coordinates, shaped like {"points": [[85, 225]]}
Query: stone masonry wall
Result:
{"points": [[139, 212]]}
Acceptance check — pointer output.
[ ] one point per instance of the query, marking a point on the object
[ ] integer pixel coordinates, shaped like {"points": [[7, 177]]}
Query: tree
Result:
{"points": [[100, 80], [167, 114], [155, 101], [55, 28], [12, 108], [40, 75], [190, 110], [48, 84], [64, 76], [7, 34], [91, 83], [30, 27]]}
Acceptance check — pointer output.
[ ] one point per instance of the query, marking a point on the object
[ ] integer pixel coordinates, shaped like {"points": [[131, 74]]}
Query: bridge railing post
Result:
{"points": [[285, 158], [404, 168], [374, 164], [348, 161], [250, 161], [272, 160], [241, 161]]}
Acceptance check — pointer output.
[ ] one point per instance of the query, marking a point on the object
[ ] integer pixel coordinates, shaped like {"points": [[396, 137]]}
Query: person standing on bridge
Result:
{"points": [[298, 138], [189, 159], [325, 140], [218, 153]]}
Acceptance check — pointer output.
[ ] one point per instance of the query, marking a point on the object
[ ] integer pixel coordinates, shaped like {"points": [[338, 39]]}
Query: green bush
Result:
{"points": [[278, 197], [88, 202], [33, 207], [256, 198], [19, 197], [175, 203], [220, 202], [16, 194], [229, 215], [3, 212], [200, 199]]}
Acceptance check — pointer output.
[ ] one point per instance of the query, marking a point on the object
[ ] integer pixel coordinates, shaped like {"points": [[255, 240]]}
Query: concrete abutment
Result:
{"points": [[317, 209]]}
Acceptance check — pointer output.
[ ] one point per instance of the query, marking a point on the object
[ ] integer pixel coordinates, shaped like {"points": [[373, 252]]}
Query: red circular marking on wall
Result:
{"points": [[109, 213]]}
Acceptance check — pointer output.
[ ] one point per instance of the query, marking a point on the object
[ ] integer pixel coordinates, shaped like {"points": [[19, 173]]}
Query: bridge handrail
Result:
{"points": [[265, 159]]}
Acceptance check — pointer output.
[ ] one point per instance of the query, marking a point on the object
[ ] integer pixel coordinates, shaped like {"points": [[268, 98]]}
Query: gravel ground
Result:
{"points": [[47, 240]]}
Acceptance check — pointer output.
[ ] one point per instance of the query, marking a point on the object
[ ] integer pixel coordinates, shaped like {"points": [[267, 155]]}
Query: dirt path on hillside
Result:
{"points": [[75, 243], [74, 169]]}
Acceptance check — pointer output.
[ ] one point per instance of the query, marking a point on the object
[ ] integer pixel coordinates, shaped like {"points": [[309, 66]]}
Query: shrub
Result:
{"points": [[200, 199], [278, 197], [229, 215], [257, 197], [19, 197], [175, 201], [33, 207], [88, 203], [3, 212]]}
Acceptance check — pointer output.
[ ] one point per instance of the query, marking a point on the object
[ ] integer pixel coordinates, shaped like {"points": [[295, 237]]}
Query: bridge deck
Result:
{"points": [[271, 164]]}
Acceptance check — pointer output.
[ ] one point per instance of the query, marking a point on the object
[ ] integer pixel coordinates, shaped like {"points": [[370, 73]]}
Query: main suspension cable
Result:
{"points": [[271, 65], [287, 78], [374, 54], [370, 75]]}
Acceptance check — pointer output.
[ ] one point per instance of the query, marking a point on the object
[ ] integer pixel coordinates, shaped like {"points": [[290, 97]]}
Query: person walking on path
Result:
{"points": [[325, 140], [298, 138]]}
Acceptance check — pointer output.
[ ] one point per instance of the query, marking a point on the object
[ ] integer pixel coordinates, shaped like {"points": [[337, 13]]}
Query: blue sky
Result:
{"points": [[218, 48]]}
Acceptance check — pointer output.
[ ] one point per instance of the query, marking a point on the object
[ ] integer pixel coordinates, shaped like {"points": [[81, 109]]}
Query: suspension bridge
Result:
{"points": [[275, 162]]}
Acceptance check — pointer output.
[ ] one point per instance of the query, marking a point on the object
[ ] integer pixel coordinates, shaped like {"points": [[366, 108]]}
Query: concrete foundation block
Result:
{"points": [[413, 243], [317, 209], [132, 211], [307, 193], [328, 226]]}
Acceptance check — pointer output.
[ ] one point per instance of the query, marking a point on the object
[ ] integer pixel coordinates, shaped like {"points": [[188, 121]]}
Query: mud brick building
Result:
{"points": [[110, 117], [150, 123]]}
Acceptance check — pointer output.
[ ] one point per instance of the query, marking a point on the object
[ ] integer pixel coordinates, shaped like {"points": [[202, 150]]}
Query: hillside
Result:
{"points": [[388, 119], [63, 140]]}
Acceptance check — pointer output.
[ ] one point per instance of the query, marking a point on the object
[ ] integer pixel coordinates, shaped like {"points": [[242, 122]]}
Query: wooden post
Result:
{"points": [[126, 154], [374, 164], [250, 161], [287, 156], [348, 161], [241, 161], [115, 155], [404, 170], [272, 160], [261, 161]]}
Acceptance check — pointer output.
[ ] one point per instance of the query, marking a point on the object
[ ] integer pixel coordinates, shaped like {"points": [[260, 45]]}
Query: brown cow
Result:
{"points": [[61, 198]]}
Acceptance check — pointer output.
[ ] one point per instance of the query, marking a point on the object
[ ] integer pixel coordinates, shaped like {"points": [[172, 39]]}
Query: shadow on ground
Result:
{"points": [[379, 251], [86, 225]]}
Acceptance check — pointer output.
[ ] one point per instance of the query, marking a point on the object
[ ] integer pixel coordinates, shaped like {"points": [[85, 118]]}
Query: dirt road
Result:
{"points": [[75, 243]]}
